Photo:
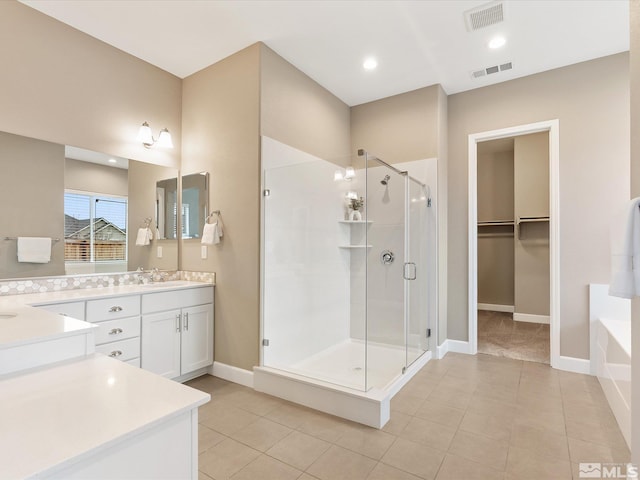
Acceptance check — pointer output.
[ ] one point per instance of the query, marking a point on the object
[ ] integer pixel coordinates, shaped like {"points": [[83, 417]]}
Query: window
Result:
{"points": [[95, 228]]}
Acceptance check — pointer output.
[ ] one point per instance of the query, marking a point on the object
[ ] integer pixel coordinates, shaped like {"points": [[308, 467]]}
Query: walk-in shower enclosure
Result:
{"points": [[348, 299]]}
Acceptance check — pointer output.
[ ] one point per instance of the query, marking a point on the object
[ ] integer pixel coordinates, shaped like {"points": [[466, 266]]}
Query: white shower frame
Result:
{"points": [[553, 127]]}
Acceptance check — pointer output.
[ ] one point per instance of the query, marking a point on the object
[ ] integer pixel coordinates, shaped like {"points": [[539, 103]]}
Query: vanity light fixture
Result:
{"points": [[146, 137], [346, 174]]}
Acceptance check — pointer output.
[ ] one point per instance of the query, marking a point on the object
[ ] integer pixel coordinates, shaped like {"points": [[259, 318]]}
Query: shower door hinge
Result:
{"points": [[428, 333], [266, 192], [265, 342]]}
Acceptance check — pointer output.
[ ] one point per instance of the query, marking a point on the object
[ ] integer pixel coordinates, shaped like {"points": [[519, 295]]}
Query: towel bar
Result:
{"points": [[54, 240]]}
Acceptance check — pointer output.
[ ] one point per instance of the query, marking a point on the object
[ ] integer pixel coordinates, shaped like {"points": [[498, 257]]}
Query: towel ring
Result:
{"points": [[215, 212]]}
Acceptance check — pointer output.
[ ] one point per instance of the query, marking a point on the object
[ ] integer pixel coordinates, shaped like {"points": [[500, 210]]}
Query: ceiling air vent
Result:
{"points": [[491, 70], [484, 15]]}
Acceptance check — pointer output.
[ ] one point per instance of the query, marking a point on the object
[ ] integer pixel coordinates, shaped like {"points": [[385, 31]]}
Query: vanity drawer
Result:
{"points": [[123, 350], [187, 297], [114, 307], [120, 329], [70, 309]]}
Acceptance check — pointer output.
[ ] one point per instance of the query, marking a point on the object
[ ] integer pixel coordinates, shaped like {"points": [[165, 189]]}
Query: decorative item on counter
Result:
{"points": [[355, 205]]}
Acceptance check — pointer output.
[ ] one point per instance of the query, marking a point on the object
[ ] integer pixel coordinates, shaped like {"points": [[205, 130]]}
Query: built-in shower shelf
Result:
{"points": [[355, 246], [355, 221]]}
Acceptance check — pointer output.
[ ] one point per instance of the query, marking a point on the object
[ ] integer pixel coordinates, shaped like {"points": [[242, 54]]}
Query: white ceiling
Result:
{"points": [[417, 43], [90, 156]]}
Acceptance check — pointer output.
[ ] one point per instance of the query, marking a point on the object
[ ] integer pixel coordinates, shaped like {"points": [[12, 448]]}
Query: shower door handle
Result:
{"points": [[410, 271]]}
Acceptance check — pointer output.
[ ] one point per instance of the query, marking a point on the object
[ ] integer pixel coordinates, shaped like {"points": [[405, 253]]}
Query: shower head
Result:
{"points": [[386, 179]]}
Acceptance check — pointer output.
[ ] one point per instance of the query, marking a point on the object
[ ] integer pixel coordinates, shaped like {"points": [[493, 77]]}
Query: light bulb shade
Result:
{"points": [[164, 140], [349, 173], [337, 175], [352, 196], [144, 134]]}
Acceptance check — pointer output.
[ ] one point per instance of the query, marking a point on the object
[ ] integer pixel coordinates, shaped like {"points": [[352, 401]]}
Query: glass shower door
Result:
{"points": [[417, 329], [385, 295]]}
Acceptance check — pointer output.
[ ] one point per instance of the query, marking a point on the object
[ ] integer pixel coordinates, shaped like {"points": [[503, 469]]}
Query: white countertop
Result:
{"points": [[56, 415], [93, 293], [31, 325]]}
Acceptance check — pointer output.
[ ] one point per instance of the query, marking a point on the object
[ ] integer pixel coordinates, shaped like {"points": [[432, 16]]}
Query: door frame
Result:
{"points": [[553, 128]]}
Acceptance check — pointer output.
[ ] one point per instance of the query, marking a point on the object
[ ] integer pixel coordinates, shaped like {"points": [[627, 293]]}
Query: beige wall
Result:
{"points": [[442, 129], [141, 205], [591, 101], [531, 199], [400, 128], [61, 85], [495, 202], [221, 119], [32, 199], [94, 178], [297, 111], [634, 16]]}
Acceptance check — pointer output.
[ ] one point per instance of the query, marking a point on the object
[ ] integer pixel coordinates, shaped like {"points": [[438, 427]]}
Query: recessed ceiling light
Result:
{"points": [[113, 160], [370, 63], [497, 42]]}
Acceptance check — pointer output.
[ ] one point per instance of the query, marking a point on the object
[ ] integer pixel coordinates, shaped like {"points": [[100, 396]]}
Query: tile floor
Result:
{"points": [[499, 335], [460, 418]]}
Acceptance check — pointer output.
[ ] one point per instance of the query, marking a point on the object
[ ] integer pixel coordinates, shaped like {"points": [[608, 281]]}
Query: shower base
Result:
{"points": [[332, 380]]}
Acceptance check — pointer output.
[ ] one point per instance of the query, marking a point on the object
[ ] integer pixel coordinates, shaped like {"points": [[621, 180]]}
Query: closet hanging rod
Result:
{"points": [[496, 222], [532, 219], [54, 240]]}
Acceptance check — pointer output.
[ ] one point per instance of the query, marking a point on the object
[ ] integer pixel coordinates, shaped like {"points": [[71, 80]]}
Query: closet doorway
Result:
{"points": [[513, 243]]}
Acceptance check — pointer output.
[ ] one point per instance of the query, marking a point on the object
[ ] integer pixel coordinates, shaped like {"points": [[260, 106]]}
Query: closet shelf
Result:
{"points": [[496, 223], [532, 219], [355, 246], [355, 221]]}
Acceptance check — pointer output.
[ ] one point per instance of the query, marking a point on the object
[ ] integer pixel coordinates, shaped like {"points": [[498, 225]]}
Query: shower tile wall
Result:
{"points": [[306, 275]]}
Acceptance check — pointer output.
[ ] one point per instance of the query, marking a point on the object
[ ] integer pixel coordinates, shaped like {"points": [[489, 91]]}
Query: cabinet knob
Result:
{"points": [[186, 321], [115, 353], [178, 322], [115, 331], [115, 308]]}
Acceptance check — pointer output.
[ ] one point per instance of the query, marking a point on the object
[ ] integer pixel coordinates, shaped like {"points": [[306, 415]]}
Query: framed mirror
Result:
{"points": [[90, 204], [195, 204], [167, 208]]}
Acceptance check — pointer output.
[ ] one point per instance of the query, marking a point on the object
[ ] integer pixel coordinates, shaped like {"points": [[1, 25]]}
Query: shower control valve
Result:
{"points": [[387, 257]]}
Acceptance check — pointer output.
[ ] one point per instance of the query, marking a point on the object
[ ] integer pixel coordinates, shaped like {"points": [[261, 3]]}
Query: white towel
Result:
{"points": [[625, 252], [34, 249], [211, 233], [144, 237]]}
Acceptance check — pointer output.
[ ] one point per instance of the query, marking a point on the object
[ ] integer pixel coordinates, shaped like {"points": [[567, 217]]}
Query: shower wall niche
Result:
{"points": [[334, 308]]}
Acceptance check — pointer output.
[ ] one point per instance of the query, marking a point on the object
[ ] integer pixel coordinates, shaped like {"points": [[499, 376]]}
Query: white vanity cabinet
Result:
{"points": [[118, 319], [177, 332]]}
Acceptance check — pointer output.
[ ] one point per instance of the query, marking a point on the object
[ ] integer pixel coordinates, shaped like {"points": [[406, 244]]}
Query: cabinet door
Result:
{"points": [[161, 343], [197, 338]]}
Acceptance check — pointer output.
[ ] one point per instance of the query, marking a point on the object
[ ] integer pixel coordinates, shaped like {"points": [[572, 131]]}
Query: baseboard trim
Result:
{"points": [[232, 374], [575, 365], [441, 350], [496, 307], [458, 346], [529, 318]]}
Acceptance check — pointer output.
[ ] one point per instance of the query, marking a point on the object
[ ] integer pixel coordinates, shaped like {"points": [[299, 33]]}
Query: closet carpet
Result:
{"points": [[499, 335]]}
